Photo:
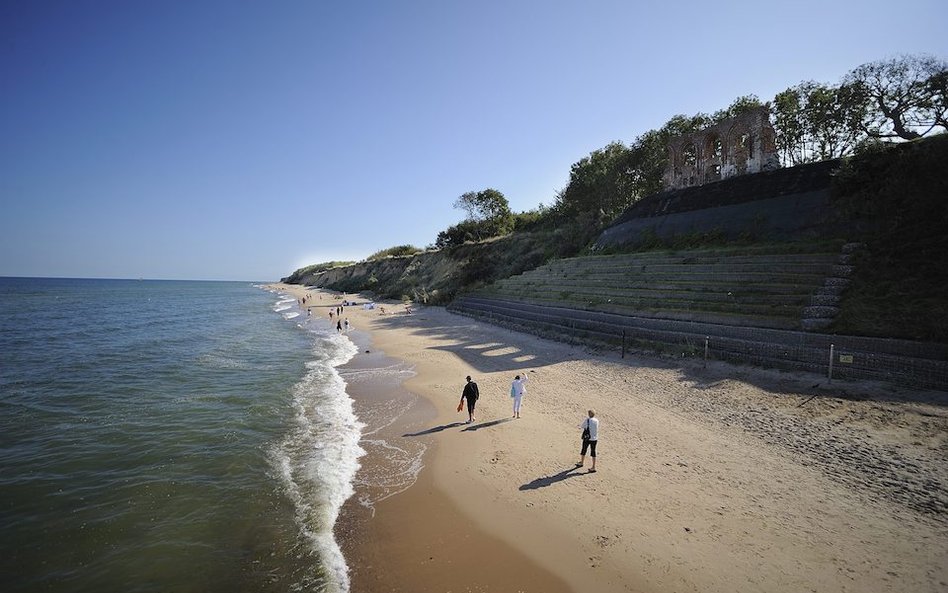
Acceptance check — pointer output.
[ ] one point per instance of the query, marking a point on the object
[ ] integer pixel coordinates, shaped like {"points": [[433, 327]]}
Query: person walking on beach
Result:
{"points": [[338, 326], [470, 394], [347, 325], [590, 428], [517, 389]]}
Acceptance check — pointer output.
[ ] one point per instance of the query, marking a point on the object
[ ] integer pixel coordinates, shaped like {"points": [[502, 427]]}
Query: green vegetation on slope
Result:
{"points": [[397, 251], [298, 276], [900, 288]]}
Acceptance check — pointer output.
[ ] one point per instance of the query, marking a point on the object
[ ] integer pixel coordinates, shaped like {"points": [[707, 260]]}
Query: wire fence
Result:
{"points": [[902, 362]]}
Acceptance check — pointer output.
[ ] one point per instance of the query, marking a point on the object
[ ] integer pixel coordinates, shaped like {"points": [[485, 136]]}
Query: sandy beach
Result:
{"points": [[714, 478]]}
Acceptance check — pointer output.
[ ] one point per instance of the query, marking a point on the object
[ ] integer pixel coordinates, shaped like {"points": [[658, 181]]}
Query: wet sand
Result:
{"points": [[417, 539]]}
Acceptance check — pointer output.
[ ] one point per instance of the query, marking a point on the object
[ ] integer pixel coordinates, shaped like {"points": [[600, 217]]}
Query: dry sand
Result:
{"points": [[718, 479]]}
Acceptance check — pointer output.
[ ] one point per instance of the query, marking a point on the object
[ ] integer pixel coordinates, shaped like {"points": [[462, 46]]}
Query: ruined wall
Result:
{"points": [[739, 145]]}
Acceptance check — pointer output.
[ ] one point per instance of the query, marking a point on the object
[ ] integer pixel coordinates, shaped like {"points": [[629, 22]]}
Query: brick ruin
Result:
{"points": [[735, 146]]}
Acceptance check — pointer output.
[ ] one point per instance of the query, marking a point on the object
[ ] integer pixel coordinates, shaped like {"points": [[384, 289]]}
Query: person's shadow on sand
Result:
{"points": [[545, 481], [434, 429], [486, 424]]}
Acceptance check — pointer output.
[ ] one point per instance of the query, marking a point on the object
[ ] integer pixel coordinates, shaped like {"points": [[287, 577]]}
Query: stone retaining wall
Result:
{"points": [[901, 362]]}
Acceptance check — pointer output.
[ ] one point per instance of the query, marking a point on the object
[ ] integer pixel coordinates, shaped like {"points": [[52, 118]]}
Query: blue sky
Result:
{"points": [[242, 140]]}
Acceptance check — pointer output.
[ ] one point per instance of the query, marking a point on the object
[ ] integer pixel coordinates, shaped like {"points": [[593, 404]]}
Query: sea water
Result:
{"points": [[171, 436]]}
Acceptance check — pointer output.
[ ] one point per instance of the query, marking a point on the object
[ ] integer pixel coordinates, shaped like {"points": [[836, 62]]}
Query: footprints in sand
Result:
{"points": [[604, 541]]}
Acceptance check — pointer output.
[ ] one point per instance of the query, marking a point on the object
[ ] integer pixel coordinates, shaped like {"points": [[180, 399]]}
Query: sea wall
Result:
{"points": [[783, 218], [782, 205]]}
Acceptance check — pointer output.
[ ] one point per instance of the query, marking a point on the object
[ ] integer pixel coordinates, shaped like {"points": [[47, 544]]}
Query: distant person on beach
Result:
{"points": [[347, 325], [470, 394], [339, 325], [330, 315], [517, 389], [590, 428]]}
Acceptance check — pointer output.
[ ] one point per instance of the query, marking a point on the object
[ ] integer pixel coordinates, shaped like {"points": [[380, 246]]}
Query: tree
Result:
{"points": [[737, 107], [815, 121], [483, 205], [650, 151], [457, 234], [649, 159], [833, 117], [906, 93], [938, 89], [605, 183], [790, 124], [599, 184], [488, 213]]}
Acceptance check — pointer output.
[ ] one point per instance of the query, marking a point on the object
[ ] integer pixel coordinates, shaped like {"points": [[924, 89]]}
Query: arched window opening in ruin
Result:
{"points": [[690, 155], [721, 151]]}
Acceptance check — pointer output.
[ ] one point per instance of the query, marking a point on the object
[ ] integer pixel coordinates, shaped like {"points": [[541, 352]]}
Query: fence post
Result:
{"points": [[830, 375], [706, 339]]}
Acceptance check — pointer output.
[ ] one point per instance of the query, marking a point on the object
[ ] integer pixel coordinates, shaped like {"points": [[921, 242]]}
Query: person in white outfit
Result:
{"points": [[517, 389], [590, 439]]}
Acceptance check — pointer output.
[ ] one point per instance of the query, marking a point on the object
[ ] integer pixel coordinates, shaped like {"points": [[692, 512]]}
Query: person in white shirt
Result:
{"points": [[517, 389], [590, 424]]}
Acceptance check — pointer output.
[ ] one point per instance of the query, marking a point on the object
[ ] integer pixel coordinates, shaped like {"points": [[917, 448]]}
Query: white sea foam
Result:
{"points": [[318, 459]]}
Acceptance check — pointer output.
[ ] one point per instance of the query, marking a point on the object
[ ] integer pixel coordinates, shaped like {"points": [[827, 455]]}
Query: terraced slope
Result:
{"points": [[760, 286], [747, 304]]}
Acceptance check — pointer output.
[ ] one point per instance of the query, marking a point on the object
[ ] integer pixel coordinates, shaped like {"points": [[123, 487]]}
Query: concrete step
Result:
{"points": [[898, 361], [746, 289], [763, 305], [697, 258], [793, 338], [715, 290], [694, 276], [743, 318], [581, 268]]}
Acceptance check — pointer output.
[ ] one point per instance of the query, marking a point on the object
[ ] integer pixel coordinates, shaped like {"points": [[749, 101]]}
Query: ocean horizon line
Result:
{"points": [[143, 279]]}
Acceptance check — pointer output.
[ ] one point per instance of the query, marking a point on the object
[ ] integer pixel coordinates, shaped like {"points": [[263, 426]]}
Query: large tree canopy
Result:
{"points": [[907, 95], [815, 121], [599, 183], [488, 214], [486, 204]]}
